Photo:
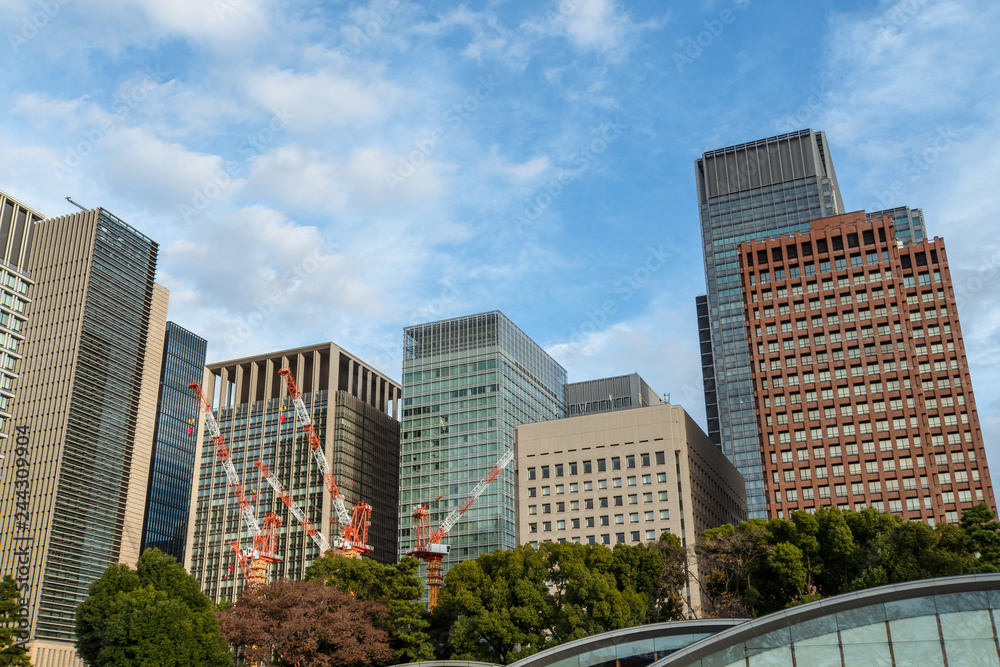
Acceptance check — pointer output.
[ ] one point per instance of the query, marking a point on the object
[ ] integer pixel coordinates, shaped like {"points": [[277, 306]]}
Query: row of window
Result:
{"points": [[874, 488], [605, 520], [636, 536], [602, 465], [851, 449], [574, 505], [872, 467], [616, 483]]}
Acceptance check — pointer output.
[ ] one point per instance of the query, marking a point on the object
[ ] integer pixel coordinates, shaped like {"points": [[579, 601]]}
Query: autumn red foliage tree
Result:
{"points": [[306, 623]]}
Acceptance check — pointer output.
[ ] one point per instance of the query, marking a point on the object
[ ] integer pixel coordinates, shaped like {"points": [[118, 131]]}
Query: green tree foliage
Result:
{"points": [[496, 608], [762, 566], [399, 587], [153, 615], [306, 623], [12, 653], [586, 592], [982, 538]]}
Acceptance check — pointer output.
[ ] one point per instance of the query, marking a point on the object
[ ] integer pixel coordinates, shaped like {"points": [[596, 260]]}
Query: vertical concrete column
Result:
{"points": [[350, 377]]}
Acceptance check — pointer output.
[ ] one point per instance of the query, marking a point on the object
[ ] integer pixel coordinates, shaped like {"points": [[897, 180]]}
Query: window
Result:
{"points": [[631, 480], [660, 458], [661, 477], [633, 499], [559, 470], [664, 514], [619, 518], [532, 527], [619, 500], [663, 495], [648, 516], [645, 459], [572, 468], [587, 468], [616, 463], [601, 465], [531, 473], [633, 517], [647, 479], [545, 472], [531, 492], [630, 461]]}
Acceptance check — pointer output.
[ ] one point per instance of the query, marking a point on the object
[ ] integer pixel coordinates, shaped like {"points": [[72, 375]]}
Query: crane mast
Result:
{"points": [[308, 525], [220, 446], [428, 547], [354, 529]]}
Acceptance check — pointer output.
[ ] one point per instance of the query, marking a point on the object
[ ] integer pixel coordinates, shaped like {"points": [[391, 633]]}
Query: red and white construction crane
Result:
{"points": [[308, 525], [428, 547], [353, 541], [262, 553], [254, 565]]}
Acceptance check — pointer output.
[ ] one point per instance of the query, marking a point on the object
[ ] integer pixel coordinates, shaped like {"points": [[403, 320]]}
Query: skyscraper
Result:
{"points": [[16, 224], [863, 390], [468, 383], [353, 408], [754, 190], [169, 492], [83, 420]]}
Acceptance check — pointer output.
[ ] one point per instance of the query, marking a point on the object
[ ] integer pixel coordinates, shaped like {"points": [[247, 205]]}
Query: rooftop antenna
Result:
{"points": [[75, 204]]}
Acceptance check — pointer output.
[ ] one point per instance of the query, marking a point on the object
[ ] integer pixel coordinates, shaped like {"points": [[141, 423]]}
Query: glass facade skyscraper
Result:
{"points": [[468, 383], [754, 190], [169, 491], [84, 417]]}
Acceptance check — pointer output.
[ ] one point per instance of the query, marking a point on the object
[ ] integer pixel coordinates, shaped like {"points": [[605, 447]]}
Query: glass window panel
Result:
{"points": [[730, 657], [908, 608], [966, 625], [818, 656], [629, 649], [917, 653], [868, 655], [675, 642], [598, 657], [864, 616], [865, 634], [962, 601], [773, 639], [820, 628], [918, 628], [971, 653], [776, 657]]}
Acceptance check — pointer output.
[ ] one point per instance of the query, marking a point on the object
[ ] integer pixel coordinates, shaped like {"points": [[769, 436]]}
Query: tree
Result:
{"points": [[729, 557], [155, 614], [399, 587], [12, 652], [587, 598], [982, 538], [306, 623], [670, 601], [496, 608]]}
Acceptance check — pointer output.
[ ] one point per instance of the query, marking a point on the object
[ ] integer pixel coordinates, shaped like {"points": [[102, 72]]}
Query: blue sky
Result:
{"points": [[335, 171]]}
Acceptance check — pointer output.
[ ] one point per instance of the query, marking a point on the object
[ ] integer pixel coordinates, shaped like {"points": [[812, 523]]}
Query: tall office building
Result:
{"points": [[16, 224], [754, 190], [169, 491], [609, 394], [83, 420], [353, 408], [468, 383], [862, 384]]}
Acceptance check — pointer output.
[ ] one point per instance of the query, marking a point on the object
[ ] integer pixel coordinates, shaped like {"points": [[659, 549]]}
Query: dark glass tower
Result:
{"points": [[754, 190], [170, 475], [467, 384]]}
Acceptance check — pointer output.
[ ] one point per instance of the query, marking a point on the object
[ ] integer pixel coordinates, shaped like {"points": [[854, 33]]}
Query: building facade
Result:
{"points": [[169, 490], [862, 384], [624, 477], [468, 383], [607, 394], [17, 222], [353, 408], [83, 420], [754, 190]]}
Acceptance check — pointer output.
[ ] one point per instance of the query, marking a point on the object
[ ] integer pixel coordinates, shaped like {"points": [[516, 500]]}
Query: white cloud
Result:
{"points": [[604, 26]]}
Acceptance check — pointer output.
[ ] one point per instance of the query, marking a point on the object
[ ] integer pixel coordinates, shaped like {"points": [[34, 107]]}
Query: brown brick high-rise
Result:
{"points": [[860, 377]]}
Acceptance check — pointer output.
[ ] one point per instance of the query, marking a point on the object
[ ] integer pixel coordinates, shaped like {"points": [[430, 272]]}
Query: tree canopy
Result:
{"points": [[12, 652], [155, 614], [306, 623]]}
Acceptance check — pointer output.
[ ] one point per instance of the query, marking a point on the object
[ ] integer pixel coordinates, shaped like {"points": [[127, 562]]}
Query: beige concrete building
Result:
{"points": [[623, 477], [81, 429], [354, 410]]}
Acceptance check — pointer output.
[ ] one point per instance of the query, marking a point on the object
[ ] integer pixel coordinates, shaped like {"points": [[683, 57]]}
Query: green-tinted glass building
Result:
{"points": [[468, 383]]}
